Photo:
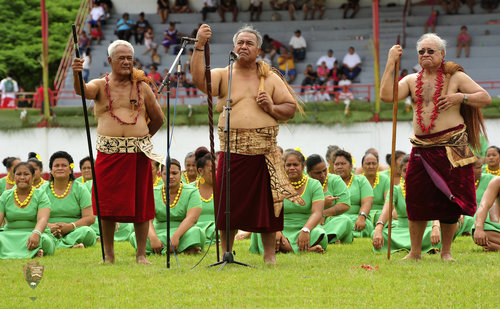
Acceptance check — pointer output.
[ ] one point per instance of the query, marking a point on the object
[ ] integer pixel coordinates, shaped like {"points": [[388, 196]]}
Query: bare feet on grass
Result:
{"points": [[270, 260], [78, 246], [317, 249], [413, 256], [447, 257], [108, 259], [141, 259], [39, 253]]}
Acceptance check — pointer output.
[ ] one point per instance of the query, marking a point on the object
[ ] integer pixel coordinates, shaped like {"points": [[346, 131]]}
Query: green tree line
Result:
{"points": [[21, 40]]}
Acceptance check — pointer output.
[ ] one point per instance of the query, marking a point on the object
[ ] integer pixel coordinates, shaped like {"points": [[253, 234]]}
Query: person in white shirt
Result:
{"points": [[298, 46], [322, 95], [329, 59], [96, 16], [351, 64], [255, 8], [9, 88]]}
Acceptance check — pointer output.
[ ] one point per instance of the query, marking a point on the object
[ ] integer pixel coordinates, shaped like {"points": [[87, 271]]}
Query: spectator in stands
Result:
{"points": [[345, 92], [195, 32], [107, 5], [96, 16], [298, 46], [138, 65], [271, 46], [431, 21], [264, 57], [141, 26], [227, 6], [96, 34], [84, 41], [287, 65], [181, 6], [470, 4], [124, 27], [334, 78], [86, 65], [323, 73], [155, 57], [329, 59], [318, 5], [279, 4], [188, 83], [255, 9], [9, 89], [187, 63], [310, 79], [170, 37], [450, 6], [149, 42], [163, 10], [351, 4], [351, 64], [298, 5], [322, 95], [489, 5], [154, 74], [208, 6], [463, 40]]}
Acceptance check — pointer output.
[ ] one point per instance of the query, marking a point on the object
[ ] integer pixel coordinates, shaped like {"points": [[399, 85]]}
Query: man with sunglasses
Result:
{"points": [[446, 119]]}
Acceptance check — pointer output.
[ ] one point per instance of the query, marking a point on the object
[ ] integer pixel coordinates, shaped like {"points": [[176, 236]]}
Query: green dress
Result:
{"points": [[206, 221], [400, 233], [338, 227], [184, 180], [468, 224], [194, 237], [360, 188], [69, 209], [379, 192], [123, 231], [3, 183], [20, 226], [295, 217]]}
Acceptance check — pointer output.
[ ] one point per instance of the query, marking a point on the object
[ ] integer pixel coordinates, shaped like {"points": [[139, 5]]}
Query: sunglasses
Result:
{"points": [[429, 51]]}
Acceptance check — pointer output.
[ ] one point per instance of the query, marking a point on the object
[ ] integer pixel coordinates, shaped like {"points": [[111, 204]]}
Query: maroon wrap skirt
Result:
{"points": [[125, 187], [424, 201], [250, 195]]}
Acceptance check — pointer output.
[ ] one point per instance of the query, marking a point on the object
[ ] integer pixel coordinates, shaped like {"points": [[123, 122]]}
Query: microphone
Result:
{"points": [[189, 39], [234, 56]]}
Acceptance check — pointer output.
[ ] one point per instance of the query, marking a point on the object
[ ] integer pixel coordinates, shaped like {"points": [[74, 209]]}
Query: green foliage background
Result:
{"points": [[21, 41]]}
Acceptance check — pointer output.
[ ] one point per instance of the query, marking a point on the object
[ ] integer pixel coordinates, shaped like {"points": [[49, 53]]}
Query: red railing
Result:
{"points": [[360, 92], [80, 19]]}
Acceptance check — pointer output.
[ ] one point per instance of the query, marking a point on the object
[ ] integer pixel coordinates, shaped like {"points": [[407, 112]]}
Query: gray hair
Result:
{"points": [[250, 29], [433, 37], [112, 47]]}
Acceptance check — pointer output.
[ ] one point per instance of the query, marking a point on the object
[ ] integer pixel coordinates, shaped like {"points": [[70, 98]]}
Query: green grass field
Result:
{"points": [[73, 279]]}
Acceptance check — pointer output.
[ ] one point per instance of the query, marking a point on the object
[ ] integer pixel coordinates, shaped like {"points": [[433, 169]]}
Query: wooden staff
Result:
{"points": [[208, 79], [393, 150], [89, 143]]}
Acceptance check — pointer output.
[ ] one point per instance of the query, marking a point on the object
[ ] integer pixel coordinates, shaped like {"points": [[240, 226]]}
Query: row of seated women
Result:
{"points": [[44, 215]]}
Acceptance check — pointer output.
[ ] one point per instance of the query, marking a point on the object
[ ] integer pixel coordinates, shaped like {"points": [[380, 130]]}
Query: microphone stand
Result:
{"points": [[228, 258], [166, 82]]}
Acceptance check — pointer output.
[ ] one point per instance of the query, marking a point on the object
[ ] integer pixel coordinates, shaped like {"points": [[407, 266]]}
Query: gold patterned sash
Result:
{"points": [[262, 141], [131, 144], [456, 143]]}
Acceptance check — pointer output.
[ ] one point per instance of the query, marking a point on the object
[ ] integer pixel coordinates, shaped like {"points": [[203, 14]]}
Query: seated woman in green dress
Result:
{"points": [[380, 183], [86, 170], [27, 211], [397, 176], [190, 174], [71, 215], [492, 165], [301, 230], [486, 232], [400, 233], [36, 162], [374, 152], [204, 184], [360, 191], [482, 181], [338, 227], [185, 209], [8, 182]]}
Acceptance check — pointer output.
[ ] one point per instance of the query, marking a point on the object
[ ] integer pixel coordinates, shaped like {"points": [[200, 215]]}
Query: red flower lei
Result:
{"points": [[419, 99], [108, 95]]}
